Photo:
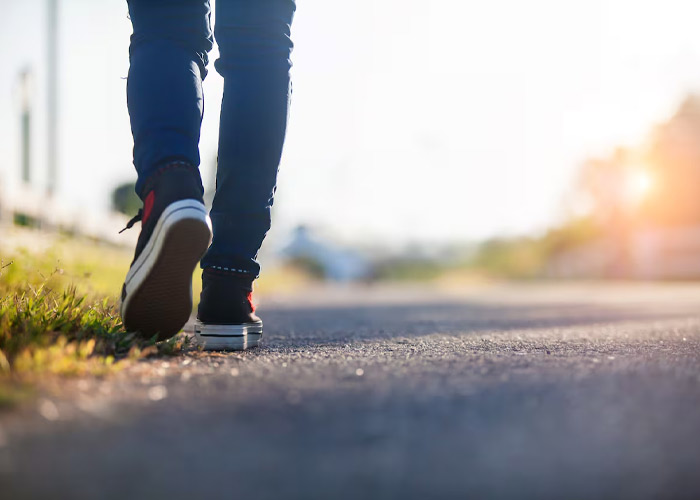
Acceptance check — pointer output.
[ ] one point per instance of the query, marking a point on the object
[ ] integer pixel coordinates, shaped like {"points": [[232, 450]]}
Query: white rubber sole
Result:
{"points": [[158, 287], [228, 337]]}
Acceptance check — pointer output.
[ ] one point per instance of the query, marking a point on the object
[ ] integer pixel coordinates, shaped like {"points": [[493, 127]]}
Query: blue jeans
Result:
{"points": [[168, 56]]}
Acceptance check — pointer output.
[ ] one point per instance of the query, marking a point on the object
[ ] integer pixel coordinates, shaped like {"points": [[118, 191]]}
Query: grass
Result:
{"points": [[59, 313], [59, 316], [47, 331], [64, 332]]}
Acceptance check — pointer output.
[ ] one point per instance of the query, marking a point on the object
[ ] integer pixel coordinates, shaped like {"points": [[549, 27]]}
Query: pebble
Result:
{"points": [[157, 392], [48, 410]]}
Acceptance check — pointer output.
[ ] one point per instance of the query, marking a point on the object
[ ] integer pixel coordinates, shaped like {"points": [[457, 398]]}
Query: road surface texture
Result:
{"points": [[508, 391]]}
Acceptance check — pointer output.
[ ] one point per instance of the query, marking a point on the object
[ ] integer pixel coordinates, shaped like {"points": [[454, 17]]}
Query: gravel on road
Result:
{"points": [[498, 391]]}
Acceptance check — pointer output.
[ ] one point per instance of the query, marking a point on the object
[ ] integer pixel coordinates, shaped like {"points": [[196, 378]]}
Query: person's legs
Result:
{"points": [[255, 46], [168, 56]]}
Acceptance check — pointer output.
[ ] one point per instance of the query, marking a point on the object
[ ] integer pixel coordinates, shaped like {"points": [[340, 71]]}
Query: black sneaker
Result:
{"points": [[226, 319], [175, 233]]}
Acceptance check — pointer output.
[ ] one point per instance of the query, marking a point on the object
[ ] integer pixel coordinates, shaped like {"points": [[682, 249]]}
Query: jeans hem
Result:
{"points": [[166, 166], [229, 271]]}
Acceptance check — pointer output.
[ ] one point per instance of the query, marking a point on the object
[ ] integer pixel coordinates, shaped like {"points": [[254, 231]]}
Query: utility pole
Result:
{"points": [[25, 78], [52, 96]]}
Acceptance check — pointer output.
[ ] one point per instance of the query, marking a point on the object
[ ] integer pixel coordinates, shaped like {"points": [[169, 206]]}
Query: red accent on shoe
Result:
{"points": [[250, 301], [148, 206]]}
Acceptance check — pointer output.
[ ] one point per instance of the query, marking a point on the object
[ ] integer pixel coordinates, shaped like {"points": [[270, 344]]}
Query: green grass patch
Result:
{"points": [[59, 313], [60, 322], [66, 333]]}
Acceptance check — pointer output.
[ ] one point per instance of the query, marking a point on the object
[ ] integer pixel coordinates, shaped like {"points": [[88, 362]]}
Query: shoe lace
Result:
{"points": [[133, 220]]}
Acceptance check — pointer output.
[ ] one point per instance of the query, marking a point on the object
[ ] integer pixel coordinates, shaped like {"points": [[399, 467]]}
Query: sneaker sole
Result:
{"points": [[157, 297], [228, 337]]}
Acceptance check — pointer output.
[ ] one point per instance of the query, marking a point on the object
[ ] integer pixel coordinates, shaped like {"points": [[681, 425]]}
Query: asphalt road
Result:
{"points": [[539, 391]]}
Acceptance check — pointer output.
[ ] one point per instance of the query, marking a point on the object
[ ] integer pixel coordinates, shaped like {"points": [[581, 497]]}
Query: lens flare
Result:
{"points": [[639, 184]]}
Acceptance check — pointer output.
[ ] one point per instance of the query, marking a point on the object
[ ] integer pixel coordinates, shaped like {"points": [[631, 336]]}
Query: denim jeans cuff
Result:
{"points": [[229, 271], [166, 167]]}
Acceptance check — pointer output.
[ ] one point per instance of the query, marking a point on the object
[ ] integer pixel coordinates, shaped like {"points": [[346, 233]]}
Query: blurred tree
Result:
{"points": [[658, 185], [311, 266], [125, 200], [674, 159], [607, 184], [519, 258], [602, 182], [655, 186]]}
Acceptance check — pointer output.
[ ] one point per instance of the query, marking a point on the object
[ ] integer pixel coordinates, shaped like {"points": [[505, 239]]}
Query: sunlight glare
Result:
{"points": [[639, 184]]}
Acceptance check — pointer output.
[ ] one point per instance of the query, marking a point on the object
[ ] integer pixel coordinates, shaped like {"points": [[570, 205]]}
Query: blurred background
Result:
{"points": [[449, 140]]}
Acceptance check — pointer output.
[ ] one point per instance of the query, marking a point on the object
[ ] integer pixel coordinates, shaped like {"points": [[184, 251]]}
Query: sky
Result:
{"points": [[441, 121]]}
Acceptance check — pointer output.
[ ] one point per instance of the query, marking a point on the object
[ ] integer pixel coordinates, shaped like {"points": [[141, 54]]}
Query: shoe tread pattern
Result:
{"points": [[162, 304]]}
